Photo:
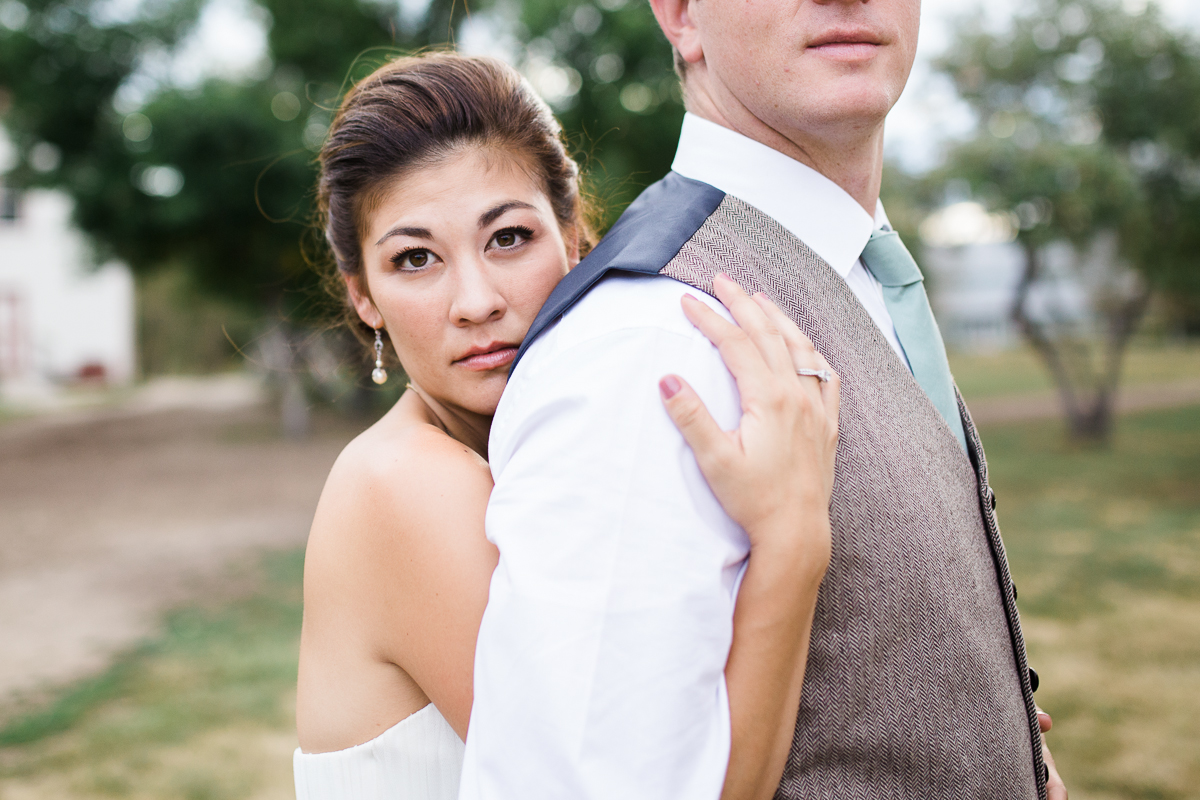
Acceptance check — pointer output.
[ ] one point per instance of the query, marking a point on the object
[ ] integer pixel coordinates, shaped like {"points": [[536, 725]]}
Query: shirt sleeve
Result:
{"points": [[599, 669]]}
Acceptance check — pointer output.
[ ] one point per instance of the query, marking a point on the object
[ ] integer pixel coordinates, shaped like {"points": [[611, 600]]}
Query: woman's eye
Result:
{"points": [[413, 259], [510, 237]]}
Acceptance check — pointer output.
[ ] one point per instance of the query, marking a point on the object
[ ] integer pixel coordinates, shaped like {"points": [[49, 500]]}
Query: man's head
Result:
{"points": [[822, 69]]}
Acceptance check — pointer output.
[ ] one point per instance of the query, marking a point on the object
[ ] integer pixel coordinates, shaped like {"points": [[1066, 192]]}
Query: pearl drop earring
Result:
{"points": [[379, 374]]}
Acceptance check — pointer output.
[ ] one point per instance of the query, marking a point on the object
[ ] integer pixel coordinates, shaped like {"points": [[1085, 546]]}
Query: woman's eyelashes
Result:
{"points": [[414, 259], [510, 237], [419, 259]]}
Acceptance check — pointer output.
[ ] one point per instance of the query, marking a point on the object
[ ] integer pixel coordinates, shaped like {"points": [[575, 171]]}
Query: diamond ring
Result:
{"points": [[823, 375]]}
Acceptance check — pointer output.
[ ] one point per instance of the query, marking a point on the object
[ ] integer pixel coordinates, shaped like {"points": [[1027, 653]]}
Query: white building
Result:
{"points": [[62, 320], [974, 269]]}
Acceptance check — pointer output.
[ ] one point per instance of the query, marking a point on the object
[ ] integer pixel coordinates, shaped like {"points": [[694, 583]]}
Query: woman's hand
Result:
{"points": [[776, 468]]}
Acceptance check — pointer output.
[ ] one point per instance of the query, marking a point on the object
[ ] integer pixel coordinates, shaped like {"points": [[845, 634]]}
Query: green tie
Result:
{"points": [[904, 294]]}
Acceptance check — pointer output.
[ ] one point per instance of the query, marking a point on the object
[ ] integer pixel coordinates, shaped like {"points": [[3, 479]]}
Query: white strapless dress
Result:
{"points": [[418, 758]]}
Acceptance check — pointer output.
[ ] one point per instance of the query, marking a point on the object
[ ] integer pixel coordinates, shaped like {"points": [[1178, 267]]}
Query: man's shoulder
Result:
{"points": [[622, 306], [648, 235]]}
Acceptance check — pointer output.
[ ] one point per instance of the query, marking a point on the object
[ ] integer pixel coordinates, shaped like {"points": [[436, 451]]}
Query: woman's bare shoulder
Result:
{"points": [[405, 460], [393, 489]]}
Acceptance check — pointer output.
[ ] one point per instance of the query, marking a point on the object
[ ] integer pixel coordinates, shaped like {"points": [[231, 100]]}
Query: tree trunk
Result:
{"points": [[1087, 394], [279, 357]]}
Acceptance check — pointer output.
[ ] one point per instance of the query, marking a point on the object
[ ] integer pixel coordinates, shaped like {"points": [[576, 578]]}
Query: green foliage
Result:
{"points": [[1057, 190], [59, 69], [624, 117], [216, 180], [1090, 119]]}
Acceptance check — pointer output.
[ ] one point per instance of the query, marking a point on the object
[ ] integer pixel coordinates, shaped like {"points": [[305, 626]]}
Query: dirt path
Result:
{"points": [[1019, 408], [107, 519]]}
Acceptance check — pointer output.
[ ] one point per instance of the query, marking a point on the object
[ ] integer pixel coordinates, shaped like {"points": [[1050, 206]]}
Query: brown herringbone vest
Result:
{"points": [[914, 684]]}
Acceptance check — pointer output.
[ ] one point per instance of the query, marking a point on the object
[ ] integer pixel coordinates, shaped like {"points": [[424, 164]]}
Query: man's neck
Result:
{"points": [[851, 158]]}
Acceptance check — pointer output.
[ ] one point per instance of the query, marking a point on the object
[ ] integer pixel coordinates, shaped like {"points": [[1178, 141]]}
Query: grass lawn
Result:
{"points": [[203, 712], [1105, 548]]}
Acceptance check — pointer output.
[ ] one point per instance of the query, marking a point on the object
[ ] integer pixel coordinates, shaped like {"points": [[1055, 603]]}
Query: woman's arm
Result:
{"points": [[774, 476], [396, 580], [441, 566]]}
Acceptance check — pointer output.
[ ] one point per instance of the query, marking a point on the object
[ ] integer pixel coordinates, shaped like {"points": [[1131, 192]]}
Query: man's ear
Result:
{"points": [[362, 301], [675, 19]]}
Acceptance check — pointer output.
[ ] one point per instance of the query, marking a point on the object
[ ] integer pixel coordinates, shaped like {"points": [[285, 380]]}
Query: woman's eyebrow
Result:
{"points": [[420, 233], [492, 214]]}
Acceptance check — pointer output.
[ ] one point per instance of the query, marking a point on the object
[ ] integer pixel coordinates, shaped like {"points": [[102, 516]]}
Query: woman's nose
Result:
{"points": [[477, 299]]}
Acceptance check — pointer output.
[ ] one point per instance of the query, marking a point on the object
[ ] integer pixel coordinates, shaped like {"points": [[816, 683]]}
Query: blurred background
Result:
{"points": [[174, 389]]}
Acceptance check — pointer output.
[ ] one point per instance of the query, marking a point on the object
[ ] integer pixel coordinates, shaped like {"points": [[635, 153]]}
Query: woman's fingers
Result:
{"points": [[691, 417], [741, 355], [752, 319], [803, 355]]}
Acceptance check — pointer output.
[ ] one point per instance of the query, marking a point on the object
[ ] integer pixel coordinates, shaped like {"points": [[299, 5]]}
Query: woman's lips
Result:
{"points": [[481, 362]]}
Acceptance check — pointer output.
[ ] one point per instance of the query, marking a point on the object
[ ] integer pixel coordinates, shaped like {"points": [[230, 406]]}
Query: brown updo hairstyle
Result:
{"points": [[412, 112]]}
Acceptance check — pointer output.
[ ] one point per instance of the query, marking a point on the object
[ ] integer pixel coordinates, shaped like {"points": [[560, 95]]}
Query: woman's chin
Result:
{"points": [[484, 398]]}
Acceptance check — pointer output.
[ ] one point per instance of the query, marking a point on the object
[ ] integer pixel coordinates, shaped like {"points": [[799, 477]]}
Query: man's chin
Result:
{"points": [[840, 107]]}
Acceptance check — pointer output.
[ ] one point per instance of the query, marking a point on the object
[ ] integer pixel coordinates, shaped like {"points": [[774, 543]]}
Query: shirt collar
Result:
{"points": [[818, 211]]}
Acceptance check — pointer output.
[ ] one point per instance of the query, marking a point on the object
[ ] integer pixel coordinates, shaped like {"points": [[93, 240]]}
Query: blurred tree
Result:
{"points": [[607, 70], [213, 180], [216, 177], [1089, 134]]}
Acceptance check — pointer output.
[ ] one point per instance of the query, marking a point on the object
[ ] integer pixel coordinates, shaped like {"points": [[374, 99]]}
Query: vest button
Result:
{"points": [[991, 498], [1045, 774], [1033, 679], [1014, 591]]}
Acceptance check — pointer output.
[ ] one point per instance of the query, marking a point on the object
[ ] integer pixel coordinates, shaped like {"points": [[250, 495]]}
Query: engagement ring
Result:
{"points": [[823, 375]]}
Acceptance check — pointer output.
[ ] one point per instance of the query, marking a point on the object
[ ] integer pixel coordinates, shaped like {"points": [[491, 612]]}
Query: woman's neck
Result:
{"points": [[459, 424]]}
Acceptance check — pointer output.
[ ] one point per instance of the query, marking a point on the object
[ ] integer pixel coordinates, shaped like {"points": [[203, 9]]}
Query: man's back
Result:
{"points": [[914, 685]]}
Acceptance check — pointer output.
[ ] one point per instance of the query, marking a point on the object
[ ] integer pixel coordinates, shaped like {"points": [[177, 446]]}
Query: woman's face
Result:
{"points": [[458, 258]]}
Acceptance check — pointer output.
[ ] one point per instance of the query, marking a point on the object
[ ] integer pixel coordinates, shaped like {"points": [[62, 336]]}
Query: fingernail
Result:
{"points": [[721, 276], [669, 386], [761, 295]]}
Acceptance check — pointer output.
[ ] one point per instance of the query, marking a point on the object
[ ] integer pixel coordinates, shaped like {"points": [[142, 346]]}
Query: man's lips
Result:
{"points": [[846, 44], [481, 359]]}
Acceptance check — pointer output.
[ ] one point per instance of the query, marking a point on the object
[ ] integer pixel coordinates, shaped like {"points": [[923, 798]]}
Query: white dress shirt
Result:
{"points": [[599, 668]]}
